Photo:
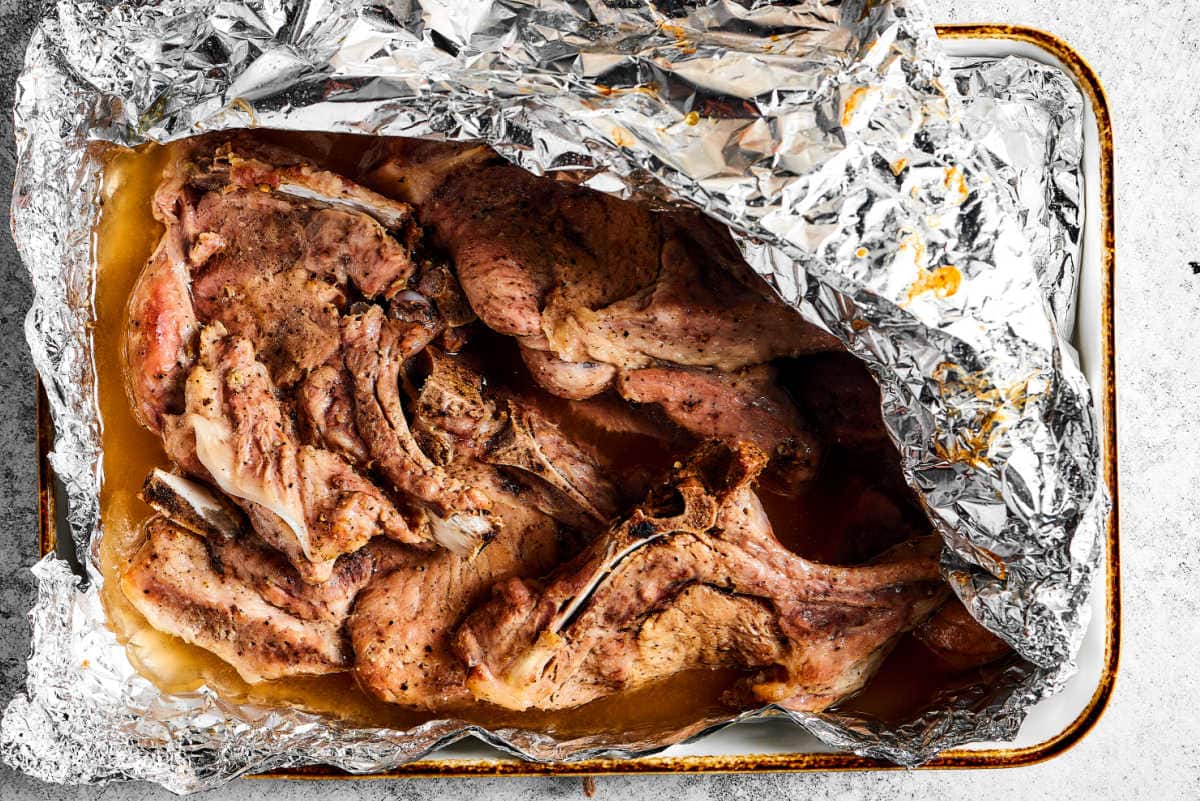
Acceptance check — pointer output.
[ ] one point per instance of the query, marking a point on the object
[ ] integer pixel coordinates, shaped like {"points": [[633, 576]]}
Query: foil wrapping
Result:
{"points": [[925, 211]]}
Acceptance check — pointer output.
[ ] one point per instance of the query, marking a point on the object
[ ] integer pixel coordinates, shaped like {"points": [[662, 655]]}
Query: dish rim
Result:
{"points": [[961, 758]]}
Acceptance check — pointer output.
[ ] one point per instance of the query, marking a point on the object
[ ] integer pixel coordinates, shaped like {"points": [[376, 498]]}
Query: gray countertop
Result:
{"points": [[1147, 53]]}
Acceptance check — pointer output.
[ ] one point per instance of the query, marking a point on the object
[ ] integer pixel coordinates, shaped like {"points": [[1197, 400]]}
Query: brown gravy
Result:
{"points": [[814, 524]]}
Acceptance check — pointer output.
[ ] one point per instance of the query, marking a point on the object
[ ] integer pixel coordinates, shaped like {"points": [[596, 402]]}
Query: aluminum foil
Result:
{"points": [[926, 214], [1027, 120]]}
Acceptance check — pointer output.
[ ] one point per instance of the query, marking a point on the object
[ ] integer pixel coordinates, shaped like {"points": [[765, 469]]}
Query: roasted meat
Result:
{"points": [[700, 307], [402, 623], [459, 419], [744, 405], [535, 446], [695, 578], [316, 358], [162, 326], [325, 403], [271, 249], [588, 283], [411, 169], [192, 505], [307, 502], [567, 379], [958, 640], [376, 349], [597, 290], [237, 551], [178, 587]]}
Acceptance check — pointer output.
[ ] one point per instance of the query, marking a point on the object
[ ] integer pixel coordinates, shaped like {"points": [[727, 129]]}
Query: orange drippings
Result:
{"points": [[852, 103], [943, 282], [956, 186], [994, 410], [621, 137], [682, 40]]}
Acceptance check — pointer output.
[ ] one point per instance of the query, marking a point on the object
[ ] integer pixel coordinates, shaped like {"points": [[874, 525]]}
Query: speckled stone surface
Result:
{"points": [[1147, 745]]}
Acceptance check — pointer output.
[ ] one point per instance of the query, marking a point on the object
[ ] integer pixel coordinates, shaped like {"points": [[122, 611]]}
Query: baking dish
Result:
{"points": [[777, 745]]}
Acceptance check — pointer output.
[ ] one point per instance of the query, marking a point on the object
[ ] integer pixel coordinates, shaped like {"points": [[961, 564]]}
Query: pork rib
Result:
{"points": [[624, 613], [325, 404], [270, 246], [376, 349], [238, 553], [453, 414]]}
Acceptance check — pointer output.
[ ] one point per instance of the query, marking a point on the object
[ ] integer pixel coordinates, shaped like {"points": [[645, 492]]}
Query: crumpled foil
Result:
{"points": [[928, 215], [1027, 120]]}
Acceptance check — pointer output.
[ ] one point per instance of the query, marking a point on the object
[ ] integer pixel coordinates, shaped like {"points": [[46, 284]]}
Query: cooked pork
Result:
{"points": [[702, 308], [307, 502], [326, 411], [573, 380], [175, 584], [402, 623], [597, 290], [532, 444], [319, 369], [376, 350], [271, 250], [589, 283], [192, 505], [624, 613], [162, 327], [746, 405], [411, 169], [437, 283], [236, 551], [454, 417], [290, 317], [451, 417], [958, 640]]}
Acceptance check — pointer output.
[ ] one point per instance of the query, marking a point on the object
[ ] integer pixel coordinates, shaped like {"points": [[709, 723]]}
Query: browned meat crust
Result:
{"points": [[325, 406], [161, 324], [307, 502], [402, 624], [174, 583], [620, 615], [376, 349], [745, 405]]}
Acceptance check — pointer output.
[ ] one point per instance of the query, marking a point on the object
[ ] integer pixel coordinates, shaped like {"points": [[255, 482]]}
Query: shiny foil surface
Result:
{"points": [[924, 210]]}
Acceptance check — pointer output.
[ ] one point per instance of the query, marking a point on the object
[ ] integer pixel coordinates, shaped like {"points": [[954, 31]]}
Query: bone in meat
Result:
{"points": [[376, 349], [307, 502], [811, 633]]}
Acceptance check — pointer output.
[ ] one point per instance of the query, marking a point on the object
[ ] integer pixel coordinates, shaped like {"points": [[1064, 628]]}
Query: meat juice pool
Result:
{"points": [[813, 523]]}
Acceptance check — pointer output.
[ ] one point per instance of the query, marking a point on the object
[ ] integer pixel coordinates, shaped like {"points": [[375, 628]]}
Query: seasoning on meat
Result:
{"points": [[392, 411]]}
